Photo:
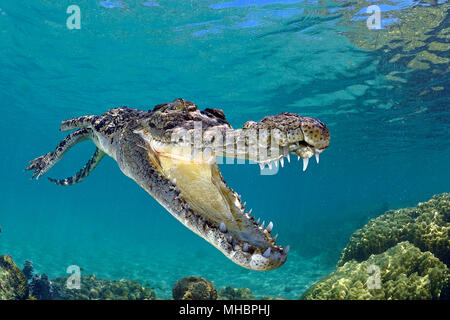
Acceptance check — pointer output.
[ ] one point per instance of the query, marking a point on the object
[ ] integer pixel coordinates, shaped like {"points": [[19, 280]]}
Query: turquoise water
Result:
{"points": [[383, 94]]}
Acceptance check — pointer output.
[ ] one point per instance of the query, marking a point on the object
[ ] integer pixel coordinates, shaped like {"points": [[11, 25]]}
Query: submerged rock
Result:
{"points": [[42, 288], [426, 226], [28, 269], [194, 288], [230, 293], [404, 272], [92, 288], [13, 283]]}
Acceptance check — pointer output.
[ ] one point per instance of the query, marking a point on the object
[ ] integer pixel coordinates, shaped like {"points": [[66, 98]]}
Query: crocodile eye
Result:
{"points": [[177, 105], [248, 124]]}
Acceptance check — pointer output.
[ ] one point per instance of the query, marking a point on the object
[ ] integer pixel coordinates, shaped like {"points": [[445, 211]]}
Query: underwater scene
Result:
{"points": [[125, 86]]}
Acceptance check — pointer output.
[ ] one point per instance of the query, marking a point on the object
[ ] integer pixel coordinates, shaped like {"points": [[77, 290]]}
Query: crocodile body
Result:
{"points": [[171, 152]]}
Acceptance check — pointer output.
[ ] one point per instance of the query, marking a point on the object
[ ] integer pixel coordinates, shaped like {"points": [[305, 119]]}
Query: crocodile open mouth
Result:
{"points": [[215, 211]]}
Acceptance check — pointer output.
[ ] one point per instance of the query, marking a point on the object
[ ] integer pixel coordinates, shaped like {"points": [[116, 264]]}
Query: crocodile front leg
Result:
{"points": [[44, 163]]}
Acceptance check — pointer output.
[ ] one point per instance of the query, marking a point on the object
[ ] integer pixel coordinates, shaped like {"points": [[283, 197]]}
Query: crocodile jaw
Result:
{"points": [[212, 210], [199, 197]]}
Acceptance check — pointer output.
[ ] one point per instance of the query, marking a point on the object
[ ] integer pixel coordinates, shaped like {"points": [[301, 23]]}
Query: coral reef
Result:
{"points": [[230, 293], [92, 288], [42, 288], [194, 288], [405, 272], [426, 226], [402, 254], [409, 249], [28, 269], [13, 283]]}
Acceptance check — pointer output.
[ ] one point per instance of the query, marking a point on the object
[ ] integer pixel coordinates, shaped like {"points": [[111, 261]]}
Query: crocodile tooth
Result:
{"points": [[245, 247], [267, 253], [257, 221], [223, 227], [244, 204], [250, 212], [317, 157], [305, 163], [270, 165], [269, 226], [193, 153], [275, 238], [261, 165], [262, 225], [282, 162], [289, 158], [286, 250], [276, 163]]}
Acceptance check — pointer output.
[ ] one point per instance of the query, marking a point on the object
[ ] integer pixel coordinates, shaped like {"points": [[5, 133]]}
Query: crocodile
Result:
{"points": [[172, 152]]}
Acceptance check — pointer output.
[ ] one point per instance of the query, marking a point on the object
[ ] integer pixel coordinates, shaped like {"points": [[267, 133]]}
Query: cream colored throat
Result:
{"points": [[201, 186]]}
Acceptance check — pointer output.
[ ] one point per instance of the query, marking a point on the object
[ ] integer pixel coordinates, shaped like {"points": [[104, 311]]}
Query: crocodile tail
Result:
{"points": [[77, 123], [84, 172], [43, 163]]}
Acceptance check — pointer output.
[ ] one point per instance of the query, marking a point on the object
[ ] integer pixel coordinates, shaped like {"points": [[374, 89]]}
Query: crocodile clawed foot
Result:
{"points": [[40, 165]]}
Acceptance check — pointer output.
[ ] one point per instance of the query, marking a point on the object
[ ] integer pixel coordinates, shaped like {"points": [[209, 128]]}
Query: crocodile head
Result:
{"points": [[183, 144]]}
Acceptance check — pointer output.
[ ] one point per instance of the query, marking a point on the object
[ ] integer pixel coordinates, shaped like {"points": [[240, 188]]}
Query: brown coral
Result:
{"points": [[194, 288]]}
